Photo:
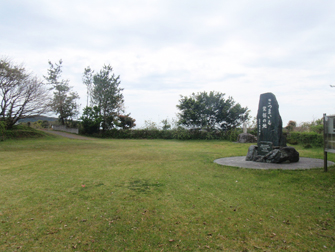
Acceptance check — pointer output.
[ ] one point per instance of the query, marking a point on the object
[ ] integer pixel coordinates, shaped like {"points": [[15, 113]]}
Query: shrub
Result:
{"points": [[232, 135], [90, 120], [317, 129], [314, 126], [2, 130], [179, 133], [21, 131], [305, 138], [253, 131]]}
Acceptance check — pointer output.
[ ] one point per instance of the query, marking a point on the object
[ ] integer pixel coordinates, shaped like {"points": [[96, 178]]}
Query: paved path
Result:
{"points": [[68, 135], [303, 164]]}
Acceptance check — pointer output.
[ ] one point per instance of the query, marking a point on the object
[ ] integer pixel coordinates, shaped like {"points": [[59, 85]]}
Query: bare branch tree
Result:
{"points": [[21, 94]]}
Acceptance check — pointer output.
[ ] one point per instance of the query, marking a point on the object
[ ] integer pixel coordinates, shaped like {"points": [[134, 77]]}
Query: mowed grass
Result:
{"points": [[158, 195]]}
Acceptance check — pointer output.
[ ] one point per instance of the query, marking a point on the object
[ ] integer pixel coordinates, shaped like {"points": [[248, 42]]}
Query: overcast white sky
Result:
{"points": [[166, 48]]}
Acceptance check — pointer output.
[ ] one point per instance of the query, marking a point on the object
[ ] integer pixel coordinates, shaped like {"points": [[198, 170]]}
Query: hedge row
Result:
{"points": [[15, 134], [180, 133], [305, 138]]}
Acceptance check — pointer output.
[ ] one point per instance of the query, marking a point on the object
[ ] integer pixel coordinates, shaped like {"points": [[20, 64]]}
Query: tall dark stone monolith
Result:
{"points": [[271, 144], [269, 122]]}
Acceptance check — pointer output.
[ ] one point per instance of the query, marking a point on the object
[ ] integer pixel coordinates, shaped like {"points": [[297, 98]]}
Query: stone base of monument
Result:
{"points": [[246, 138], [276, 155]]}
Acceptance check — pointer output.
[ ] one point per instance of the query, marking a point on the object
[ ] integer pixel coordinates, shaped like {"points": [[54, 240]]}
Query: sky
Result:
{"points": [[163, 49]]}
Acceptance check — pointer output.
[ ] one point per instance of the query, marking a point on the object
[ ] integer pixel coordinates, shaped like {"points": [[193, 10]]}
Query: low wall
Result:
{"points": [[66, 129]]}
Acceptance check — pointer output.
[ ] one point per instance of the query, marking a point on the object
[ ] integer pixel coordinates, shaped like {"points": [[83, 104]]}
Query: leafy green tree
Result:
{"points": [[21, 94], [166, 124], [291, 125], [210, 111], [40, 124], [317, 126], [313, 126], [91, 120], [64, 102], [125, 121], [37, 124], [106, 94], [45, 124]]}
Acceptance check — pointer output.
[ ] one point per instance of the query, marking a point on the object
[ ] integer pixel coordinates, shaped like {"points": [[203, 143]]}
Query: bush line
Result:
{"points": [[180, 134], [305, 138]]}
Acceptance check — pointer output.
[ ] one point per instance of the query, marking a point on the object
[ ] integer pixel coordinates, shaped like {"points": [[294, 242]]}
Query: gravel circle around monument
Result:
{"points": [[303, 164]]}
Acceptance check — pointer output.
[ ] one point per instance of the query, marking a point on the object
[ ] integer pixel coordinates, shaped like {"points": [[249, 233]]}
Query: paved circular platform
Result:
{"points": [[303, 164]]}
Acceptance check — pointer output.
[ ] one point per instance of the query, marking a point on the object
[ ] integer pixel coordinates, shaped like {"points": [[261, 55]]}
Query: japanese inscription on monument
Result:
{"points": [[266, 117], [269, 122]]}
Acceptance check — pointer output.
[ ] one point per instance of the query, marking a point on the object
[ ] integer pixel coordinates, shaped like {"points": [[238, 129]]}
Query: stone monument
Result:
{"points": [[271, 143]]}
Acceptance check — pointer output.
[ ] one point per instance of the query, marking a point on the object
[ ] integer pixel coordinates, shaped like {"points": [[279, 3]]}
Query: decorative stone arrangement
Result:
{"points": [[271, 143]]}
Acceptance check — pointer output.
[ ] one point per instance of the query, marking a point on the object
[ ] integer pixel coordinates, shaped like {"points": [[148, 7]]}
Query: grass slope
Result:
{"points": [[24, 132], [157, 195]]}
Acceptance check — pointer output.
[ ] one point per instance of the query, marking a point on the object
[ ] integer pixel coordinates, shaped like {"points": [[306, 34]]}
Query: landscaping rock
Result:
{"points": [[278, 155], [246, 138], [289, 154], [252, 153]]}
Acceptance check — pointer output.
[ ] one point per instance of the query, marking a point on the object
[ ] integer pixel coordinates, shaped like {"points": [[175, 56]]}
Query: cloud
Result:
{"points": [[163, 49]]}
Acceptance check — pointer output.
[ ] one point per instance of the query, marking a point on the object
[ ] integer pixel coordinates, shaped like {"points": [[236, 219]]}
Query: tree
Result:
{"points": [[91, 120], [22, 95], [64, 101], [210, 111], [125, 121], [166, 124], [106, 94], [291, 125]]}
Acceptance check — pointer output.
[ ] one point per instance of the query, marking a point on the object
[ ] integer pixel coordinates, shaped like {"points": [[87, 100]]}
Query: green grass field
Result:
{"points": [[58, 194]]}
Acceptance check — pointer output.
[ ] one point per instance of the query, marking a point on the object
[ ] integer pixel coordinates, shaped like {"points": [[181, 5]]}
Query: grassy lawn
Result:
{"points": [[158, 195]]}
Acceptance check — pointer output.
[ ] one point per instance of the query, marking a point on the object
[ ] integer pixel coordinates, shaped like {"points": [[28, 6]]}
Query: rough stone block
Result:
{"points": [[246, 138]]}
